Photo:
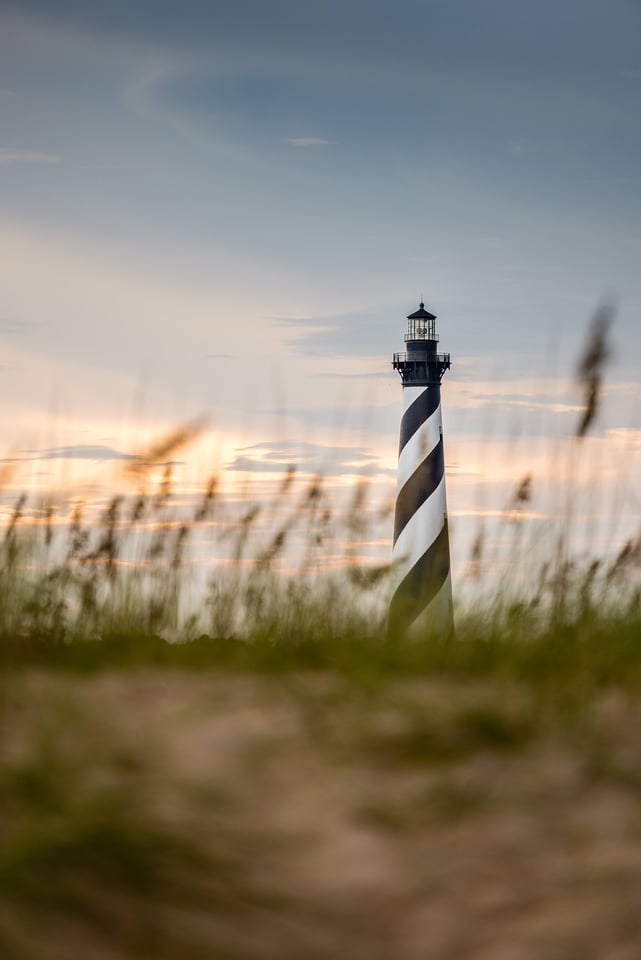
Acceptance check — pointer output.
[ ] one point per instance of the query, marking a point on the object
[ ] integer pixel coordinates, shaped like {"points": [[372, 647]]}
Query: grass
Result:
{"points": [[291, 781], [181, 813], [269, 774]]}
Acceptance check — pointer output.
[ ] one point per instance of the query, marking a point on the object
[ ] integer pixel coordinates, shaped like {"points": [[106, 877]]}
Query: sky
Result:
{"points": [[225, 210]]}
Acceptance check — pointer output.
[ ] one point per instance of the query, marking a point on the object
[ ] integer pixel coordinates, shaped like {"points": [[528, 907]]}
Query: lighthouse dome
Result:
{"points": [[421, 314]]}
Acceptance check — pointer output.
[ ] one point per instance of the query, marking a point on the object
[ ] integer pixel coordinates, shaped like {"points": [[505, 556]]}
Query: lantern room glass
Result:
{"points": [[421, 328]]}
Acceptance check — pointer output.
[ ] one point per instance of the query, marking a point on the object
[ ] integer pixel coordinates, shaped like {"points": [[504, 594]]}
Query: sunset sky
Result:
{"points": [[226, 209]]}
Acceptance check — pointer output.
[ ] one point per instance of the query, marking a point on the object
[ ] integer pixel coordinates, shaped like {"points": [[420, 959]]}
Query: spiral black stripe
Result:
{"points": [[418, 412], [419, 587], [419, 487]]}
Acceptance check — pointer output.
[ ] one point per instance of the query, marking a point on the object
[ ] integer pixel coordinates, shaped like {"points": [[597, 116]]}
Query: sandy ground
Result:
{"points": [[173, 814]]}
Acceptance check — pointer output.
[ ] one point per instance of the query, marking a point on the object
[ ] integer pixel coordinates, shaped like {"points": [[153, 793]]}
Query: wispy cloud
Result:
{"points": [[81, 451], [309, 142], [307, 458], [381, 374], [365, 333], [95, 452], [13, 155], [13, 328]]}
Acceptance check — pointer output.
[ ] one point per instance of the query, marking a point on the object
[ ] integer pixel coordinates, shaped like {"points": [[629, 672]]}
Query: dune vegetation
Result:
{"points": [[269, 774]]}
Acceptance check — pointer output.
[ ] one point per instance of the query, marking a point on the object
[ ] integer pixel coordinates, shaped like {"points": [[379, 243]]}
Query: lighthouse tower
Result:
{"points": [[422, 602]]}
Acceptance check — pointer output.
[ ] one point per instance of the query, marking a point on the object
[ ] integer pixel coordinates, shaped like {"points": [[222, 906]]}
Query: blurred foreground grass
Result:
{"points": [[177, 813]]}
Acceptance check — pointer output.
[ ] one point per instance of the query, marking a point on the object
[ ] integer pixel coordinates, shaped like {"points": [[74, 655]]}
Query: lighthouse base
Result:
{"points": [[436, 621]]}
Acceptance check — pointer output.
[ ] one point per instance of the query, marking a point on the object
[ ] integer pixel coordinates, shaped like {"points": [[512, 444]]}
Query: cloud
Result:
{"points": [[80, 451], [88, 451], [368, 333], [563, 403], [13, 155], [376, 375], [282, 449], [326, 459], [309, 142], [257, 465], [85, 451], [12, 328]]}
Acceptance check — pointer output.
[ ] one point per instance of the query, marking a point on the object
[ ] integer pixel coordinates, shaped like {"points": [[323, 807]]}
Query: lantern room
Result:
{"points": [[421, 325]]}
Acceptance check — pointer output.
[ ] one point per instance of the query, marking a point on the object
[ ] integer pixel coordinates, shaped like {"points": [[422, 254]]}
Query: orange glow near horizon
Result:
{"points": [[584, 489]]}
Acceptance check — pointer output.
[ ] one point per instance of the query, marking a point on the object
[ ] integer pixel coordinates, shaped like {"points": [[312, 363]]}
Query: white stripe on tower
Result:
{"points": [[422, 441], [423, 598], [424, 528]]}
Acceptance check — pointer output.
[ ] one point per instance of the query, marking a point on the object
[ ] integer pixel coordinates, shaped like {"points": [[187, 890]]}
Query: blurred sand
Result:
{"points": [[179, 815]]}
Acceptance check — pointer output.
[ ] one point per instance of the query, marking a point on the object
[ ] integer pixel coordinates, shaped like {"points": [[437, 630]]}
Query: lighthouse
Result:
{"points": [[422, 601]]}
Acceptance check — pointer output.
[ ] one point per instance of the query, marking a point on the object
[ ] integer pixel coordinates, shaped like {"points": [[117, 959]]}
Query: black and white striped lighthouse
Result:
{"points": [[422, 601]]}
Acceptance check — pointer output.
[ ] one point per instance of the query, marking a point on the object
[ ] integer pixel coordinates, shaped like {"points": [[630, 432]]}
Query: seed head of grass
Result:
{"points": [[591, 366]]}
